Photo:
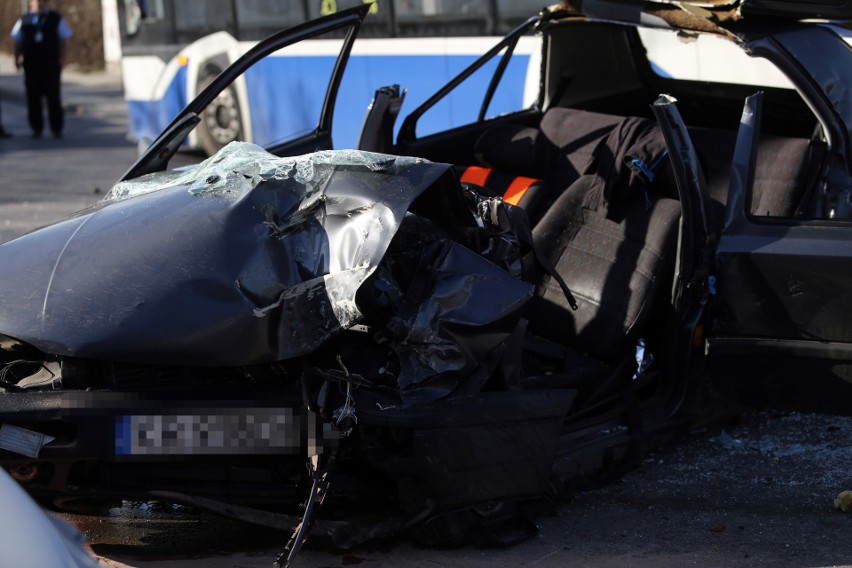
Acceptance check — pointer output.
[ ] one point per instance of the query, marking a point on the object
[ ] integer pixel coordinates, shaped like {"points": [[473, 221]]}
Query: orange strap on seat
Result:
{"points": [[517, 189], [476, 175]]}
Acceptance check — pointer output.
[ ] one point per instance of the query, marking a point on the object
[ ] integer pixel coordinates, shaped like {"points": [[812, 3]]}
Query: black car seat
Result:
{"points": [[530, 167], [612, 237], [511, 161], [785, 172]]}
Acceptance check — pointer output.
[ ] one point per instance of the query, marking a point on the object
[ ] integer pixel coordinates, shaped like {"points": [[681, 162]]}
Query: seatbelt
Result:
{"points": [[476, 175], [517, 189], [524, 234]]}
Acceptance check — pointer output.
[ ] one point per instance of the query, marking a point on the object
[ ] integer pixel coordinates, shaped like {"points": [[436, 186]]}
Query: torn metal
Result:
{"points": [[275, 247], [372, 292]]}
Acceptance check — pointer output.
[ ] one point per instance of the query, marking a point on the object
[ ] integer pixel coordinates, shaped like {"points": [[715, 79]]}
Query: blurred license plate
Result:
{"points": [[231, 431]]}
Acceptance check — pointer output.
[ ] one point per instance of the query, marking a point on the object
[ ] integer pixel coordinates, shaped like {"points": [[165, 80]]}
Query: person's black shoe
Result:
{"points": [[57, 135], [5, 133]]}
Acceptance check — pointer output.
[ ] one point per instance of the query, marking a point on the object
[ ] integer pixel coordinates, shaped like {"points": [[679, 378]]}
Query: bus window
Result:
{"points": [[512, 13], [151, 9], [193, 20], [138, 11], [132, 17], [319, 8], [377, 24], [257, 19], [442, 17]]}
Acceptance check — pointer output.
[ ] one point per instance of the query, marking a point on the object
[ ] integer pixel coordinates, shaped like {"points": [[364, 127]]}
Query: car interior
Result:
{"points": [[613, 238]]}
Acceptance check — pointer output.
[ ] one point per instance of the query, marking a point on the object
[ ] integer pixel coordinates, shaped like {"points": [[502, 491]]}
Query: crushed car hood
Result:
{"points": [[244, 259]]}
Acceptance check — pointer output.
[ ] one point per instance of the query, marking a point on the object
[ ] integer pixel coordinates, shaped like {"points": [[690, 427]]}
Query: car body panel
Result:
{"points": [[779, 327], [783, 287], [246, 238], [384, 302]]}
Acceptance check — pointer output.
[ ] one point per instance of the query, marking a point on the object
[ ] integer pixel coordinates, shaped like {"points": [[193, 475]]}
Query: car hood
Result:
{"points": [[246, 258]]}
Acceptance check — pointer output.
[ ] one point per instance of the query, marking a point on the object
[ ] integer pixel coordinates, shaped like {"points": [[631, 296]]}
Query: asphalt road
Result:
{"points": [[44, 180], [756, 493]]}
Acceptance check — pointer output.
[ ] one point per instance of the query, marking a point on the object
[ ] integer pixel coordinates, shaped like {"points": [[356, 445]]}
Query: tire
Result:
{"points": [[221, 122]]}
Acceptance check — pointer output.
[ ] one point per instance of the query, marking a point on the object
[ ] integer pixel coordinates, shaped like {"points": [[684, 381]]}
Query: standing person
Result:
{"points": [[40, 38]]}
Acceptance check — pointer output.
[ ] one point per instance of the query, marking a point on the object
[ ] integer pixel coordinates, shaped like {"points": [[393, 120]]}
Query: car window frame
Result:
{"points": [[156, 157], [408, 131]]}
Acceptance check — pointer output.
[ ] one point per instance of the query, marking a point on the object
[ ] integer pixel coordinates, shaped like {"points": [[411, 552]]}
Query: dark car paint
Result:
{"points": [[229, 240], [692, 286], [446, 431], [780, 319], [786, 279], [828, 9]]}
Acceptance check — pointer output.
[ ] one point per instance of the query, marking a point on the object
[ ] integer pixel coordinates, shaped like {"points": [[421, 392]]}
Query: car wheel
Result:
{"points": [[221, 122]]}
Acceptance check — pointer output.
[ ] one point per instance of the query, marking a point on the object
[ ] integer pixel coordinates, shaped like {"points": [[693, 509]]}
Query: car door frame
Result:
{"points": [[780, 334], [432, 145], [158, 154]]}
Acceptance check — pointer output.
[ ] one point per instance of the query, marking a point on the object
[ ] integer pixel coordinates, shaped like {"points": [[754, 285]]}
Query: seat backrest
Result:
{"points": [[614, 265], [786, 168], [574, 134], [530, 167]]}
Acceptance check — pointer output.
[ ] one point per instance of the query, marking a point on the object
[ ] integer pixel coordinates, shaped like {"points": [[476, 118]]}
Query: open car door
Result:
{"points": [[265, 74], [784, 291]]}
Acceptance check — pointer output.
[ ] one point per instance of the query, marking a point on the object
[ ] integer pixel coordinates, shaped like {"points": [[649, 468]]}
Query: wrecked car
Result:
{"points": [[451, 330]]}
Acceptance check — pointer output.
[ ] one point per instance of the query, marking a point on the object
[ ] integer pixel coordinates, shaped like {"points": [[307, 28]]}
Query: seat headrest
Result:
{"points": [[510, 148]]}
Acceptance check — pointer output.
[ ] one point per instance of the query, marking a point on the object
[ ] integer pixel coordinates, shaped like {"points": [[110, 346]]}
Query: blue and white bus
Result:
{"points": [[172, 48]]}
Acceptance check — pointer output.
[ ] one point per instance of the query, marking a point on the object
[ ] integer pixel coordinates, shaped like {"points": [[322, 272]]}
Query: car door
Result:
{"points": [[784, 283], [504, 84], [263, 74]]}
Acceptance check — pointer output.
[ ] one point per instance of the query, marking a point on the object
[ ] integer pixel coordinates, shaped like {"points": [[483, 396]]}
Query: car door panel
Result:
{"points": [[783, 285]]}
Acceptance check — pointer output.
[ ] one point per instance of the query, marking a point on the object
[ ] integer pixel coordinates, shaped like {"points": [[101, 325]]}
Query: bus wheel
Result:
{"points": [[221, 122]]}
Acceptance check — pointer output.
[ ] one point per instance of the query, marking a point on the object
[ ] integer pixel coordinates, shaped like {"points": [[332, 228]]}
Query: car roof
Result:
{"points": [[709, 16]]}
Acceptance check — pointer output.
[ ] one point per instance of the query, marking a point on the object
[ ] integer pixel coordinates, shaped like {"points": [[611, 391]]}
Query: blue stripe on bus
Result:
{"points": [[149, 118], [286, 94], [423, 76]]}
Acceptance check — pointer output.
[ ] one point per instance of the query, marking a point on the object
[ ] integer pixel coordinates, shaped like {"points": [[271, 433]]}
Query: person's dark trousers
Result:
{"points": [[40, 85], [3, 132]]}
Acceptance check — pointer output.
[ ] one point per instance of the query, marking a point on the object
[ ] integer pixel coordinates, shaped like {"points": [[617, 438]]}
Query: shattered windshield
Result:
{"points": [[240, 166]]}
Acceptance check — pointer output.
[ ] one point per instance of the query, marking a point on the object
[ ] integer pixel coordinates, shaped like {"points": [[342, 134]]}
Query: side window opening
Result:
{"points": [[707, 58], [516, 89], [713, 76]]}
